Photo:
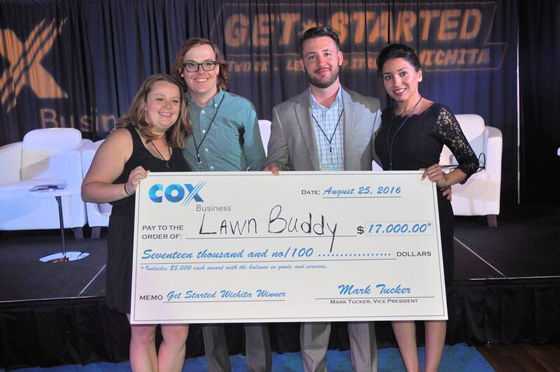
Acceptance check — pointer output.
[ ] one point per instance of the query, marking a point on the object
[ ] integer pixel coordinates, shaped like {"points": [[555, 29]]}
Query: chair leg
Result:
{"points": [[492, 220], [78, 233], [95, 232]]}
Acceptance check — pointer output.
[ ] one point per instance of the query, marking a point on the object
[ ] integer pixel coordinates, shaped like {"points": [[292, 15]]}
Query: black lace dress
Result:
{"points": [[418, 144], [120, 237]]}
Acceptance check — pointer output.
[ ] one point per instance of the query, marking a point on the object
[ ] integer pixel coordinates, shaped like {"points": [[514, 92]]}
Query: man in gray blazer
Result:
{"points": [[326, 128]]}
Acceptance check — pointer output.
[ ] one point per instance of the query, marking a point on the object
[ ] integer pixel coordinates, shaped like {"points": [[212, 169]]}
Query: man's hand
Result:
{"points": [[271, 168], [447, 193]]}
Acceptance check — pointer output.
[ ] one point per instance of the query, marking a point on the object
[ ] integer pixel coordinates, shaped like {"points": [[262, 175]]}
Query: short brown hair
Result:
{"points": [[177, 70], [316, 32], [136, 115]]}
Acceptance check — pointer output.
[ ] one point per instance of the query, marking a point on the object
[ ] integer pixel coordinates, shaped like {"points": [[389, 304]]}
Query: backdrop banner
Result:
{"points": [[79, 63]]}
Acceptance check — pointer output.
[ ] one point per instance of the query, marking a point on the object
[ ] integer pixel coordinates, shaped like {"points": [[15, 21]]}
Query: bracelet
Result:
{"points": [[124, 184]]}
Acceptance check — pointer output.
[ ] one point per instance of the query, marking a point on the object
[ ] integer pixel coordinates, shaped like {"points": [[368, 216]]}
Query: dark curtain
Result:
{"points": [[539, 56], [78, 63], [44, 73], [51, 333]]}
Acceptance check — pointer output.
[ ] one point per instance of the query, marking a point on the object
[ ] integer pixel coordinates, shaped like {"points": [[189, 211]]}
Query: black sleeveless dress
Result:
{"points": [[120, 236], [417, 143]]}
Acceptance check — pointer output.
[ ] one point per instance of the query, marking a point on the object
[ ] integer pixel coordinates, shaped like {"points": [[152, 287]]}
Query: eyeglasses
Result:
{"points": [[193, 66]]}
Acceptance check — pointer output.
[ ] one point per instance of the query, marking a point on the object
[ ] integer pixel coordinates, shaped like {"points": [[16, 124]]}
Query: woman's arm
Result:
{"points": [[449, 132], [107, 166]]}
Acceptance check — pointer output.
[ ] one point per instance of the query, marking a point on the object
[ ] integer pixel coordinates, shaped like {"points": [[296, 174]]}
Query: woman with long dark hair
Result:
{"points": [[411, 137]]}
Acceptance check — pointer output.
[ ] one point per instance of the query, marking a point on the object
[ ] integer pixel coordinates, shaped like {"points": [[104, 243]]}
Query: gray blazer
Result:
{"points": [[293, 146]]}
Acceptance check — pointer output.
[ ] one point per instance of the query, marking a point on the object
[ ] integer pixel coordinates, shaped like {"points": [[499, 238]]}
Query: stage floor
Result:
{"points": [[506, 291], [524, 245]]}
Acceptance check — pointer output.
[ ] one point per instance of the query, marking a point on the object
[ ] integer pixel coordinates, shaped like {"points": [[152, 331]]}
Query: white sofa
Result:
{"points": [[97, 213], [45, 156], [480, 195]]}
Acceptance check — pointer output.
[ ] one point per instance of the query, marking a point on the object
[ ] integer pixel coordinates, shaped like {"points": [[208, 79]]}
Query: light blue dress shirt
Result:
{"points": [[225, 135], [328, 123]]}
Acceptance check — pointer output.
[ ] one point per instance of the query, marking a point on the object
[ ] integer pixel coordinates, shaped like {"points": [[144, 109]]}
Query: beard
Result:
{"points": [[323, 83]]}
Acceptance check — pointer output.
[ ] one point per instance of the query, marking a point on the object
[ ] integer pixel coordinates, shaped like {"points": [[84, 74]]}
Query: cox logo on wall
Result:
{"points": [[175, 193]]}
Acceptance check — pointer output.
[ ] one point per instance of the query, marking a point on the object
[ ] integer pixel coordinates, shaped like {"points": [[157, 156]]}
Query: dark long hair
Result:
{"points": [[394, 51]]}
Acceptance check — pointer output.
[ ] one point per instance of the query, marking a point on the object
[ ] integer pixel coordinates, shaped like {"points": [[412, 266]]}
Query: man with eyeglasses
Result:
{"points": [[327, 128], [225, 137], [226, 134]]}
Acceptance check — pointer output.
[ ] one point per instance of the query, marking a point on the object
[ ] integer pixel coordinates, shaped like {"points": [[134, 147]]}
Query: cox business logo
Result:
{"points": [[25, 58], [175, 193]]}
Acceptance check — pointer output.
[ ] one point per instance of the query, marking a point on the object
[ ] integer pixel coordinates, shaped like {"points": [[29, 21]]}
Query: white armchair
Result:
{"points": [[264, 127], [480, 195], [45, 156], [97, 213]]}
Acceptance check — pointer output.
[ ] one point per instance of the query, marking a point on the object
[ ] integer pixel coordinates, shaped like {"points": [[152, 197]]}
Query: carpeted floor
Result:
{"points": [[457, 358]]}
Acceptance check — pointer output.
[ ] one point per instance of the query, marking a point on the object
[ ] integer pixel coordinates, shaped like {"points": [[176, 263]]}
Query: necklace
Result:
{"points": [[329, 140], [390, 147], [197, 146], [162, 158]]}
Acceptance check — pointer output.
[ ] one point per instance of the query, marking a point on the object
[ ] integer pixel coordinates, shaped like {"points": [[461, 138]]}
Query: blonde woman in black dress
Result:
{"points": [[148, 139], [411, 137]]}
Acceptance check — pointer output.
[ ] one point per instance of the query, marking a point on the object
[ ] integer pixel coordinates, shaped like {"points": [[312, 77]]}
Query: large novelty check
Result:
{"points": [[301, 246]]}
